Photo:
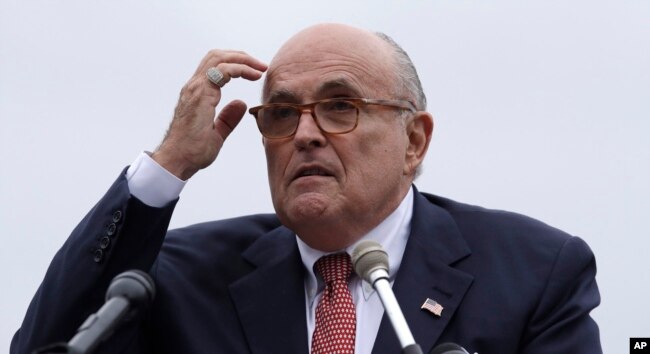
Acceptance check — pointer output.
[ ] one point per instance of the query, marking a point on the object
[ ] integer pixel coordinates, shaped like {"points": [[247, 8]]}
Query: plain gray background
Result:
{"points": [[541, 107]]}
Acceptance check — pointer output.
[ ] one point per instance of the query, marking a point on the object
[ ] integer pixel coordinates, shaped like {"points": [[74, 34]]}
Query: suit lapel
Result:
{"points": [[434, 244], [270, 300]]}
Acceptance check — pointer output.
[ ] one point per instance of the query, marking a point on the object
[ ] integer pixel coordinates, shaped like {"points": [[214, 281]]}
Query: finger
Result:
{"points": [[216, 57], [240, 57], [229, 117], [231, 70]]}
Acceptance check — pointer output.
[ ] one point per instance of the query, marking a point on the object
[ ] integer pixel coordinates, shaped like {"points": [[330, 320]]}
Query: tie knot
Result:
{"points": [[334, 267]]}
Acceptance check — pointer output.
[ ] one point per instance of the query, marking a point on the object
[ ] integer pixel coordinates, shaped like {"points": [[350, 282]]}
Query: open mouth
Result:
{"points": [[312, 171]]}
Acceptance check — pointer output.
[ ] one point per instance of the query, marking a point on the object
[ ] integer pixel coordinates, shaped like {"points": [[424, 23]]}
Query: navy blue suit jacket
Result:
{"points": [[508, 283]]}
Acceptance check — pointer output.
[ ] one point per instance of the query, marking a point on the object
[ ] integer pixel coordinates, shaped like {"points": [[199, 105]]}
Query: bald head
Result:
{"points": [[382, 58], [331, 36]]}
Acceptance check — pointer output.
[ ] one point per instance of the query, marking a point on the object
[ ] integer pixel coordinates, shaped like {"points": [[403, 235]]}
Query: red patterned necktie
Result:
{"points": [[336, 319]]}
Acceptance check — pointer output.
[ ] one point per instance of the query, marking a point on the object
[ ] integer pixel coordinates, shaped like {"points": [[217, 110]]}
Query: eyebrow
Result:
{"points": [[288, 96], [335, 84], [283, 96]]}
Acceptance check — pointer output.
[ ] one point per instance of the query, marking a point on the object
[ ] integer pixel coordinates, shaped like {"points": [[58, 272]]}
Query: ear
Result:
{"points": [[418, 129]]}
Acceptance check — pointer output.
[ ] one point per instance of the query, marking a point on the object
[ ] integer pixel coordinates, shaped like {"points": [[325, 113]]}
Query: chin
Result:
{"points": [[308, 206], [304, 211], [315, 218]]}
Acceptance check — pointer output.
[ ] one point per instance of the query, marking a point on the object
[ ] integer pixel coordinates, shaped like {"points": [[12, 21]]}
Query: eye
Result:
{"points": [[281, 112], [338, 106]]}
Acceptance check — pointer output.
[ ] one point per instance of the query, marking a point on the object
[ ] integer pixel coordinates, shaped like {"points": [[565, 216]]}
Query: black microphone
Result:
{"points": [[448, 348], [126, 295], [371, 264]]}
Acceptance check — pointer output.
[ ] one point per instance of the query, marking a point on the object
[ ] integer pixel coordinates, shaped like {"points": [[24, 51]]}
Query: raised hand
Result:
{"points": [[195, 137]]}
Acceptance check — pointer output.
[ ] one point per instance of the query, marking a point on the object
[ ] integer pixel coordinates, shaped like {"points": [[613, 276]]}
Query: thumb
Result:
{"points": [[230, 115]]}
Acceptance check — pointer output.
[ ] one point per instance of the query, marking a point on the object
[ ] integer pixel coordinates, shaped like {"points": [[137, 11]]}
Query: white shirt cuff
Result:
{"points": [[151, 183]]}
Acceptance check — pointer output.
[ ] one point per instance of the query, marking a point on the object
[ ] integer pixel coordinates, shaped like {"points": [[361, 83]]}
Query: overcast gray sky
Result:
{"points": [[541, 107]]}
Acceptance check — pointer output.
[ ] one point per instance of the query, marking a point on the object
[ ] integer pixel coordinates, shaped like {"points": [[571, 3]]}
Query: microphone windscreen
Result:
{"points": [[448, 348], [367, 257], [135, 285]]}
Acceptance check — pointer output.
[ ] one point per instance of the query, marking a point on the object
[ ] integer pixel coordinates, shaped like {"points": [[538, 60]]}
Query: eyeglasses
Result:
{"points": [[332, 116]]}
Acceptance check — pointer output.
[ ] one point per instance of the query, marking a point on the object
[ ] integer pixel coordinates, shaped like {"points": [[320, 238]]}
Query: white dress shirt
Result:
{"points": [[392, 234], [151, 183], [155, 186]]}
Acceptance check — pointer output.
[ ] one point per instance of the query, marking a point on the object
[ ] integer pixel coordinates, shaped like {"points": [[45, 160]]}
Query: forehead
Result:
{"points": [[321, 64]]}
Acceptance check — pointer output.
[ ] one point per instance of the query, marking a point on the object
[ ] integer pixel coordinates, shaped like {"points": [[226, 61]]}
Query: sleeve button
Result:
{"points": [[117, 216], [104, 242], [98, 255], [110, 230]]}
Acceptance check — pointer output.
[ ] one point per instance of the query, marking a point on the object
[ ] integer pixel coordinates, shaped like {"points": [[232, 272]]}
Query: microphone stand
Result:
{"points": [[394, 312], [128, 293], [371, 264]]}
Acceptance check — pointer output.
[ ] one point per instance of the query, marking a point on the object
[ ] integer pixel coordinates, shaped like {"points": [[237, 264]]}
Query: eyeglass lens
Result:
{"points": [[332, 116]]}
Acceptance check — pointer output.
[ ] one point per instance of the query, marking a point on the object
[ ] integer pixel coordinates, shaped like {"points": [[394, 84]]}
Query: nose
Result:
{"points": [[308, 135]]}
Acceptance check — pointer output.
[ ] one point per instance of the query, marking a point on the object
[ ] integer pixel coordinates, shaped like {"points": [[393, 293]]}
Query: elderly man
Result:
{"points": [[345, 130]]}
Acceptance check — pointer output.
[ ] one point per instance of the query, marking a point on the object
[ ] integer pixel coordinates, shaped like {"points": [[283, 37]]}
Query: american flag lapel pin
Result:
{"points": [[433, 307]]}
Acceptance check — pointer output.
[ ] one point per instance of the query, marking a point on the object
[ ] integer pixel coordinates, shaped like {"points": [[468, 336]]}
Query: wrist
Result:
{"points": [[177, 166]]}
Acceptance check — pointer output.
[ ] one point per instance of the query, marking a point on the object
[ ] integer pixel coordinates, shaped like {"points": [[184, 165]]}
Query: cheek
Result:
{"points": [[382, 157], [384, 144], [274, 165]]}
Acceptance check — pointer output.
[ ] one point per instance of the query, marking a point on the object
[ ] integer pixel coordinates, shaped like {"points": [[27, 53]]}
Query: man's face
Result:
{"points": [[332, 189]]}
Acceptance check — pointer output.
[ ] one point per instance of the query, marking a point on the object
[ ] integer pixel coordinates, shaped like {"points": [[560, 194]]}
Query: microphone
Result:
{"points": [[126, 295], [371, 264], [448, 348]]}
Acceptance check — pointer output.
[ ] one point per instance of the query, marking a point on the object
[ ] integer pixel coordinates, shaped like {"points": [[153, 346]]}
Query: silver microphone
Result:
{"points": [[371, 264]]}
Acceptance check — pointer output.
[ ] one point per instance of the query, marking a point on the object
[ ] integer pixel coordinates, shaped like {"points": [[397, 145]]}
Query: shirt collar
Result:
{"points": [[392, 233]]}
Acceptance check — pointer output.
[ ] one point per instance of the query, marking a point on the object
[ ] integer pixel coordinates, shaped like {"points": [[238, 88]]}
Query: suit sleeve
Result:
{"points": [[119, 233], [561, 322]]}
